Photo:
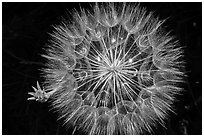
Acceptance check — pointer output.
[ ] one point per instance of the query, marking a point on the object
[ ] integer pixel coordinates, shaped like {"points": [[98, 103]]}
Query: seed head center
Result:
{"points": [[113, 69]]}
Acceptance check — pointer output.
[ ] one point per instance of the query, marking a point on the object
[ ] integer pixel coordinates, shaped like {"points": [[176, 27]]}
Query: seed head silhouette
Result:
{"points": [[112, 71]]}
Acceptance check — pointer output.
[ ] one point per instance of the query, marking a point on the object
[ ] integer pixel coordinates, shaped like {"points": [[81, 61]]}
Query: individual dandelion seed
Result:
{"points": [[113, 70]]}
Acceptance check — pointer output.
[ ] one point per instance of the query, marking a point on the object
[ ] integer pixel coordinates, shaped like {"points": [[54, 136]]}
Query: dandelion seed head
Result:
{"points": [[113, 71]]}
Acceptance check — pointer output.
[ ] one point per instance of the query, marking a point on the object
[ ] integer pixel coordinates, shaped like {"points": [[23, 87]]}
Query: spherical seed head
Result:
{"points": [[114, 71]]}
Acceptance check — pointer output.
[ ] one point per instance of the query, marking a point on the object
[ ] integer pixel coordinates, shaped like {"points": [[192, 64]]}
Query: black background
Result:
{"points": [[25, 31]]}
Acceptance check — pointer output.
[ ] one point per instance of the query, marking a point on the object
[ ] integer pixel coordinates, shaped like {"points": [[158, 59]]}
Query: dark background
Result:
{"points": [[25, 31]]}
